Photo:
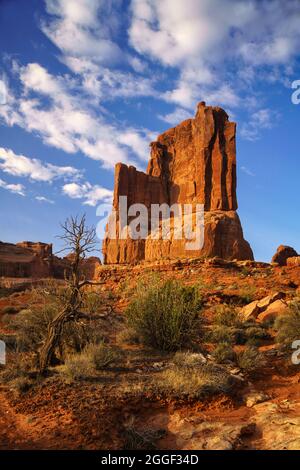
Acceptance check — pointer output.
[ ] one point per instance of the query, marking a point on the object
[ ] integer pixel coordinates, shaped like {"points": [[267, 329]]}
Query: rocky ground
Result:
{"points": [[120, 408]]}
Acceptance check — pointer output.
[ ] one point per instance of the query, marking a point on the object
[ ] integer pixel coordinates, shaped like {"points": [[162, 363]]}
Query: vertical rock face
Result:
{"points": [[194, 162]]}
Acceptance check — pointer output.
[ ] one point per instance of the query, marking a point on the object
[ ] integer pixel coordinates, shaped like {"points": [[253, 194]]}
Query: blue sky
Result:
{"points": [[87, 83]]}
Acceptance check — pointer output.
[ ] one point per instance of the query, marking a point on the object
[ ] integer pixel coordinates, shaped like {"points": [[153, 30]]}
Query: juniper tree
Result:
{"points": [[79, 240]]}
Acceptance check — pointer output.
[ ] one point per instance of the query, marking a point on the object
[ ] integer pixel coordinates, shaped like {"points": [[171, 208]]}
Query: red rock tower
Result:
{"points": [[194, 162]]}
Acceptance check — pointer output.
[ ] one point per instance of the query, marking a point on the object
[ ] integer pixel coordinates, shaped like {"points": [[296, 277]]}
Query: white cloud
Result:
{"points": [[3, 91], [77, 31], [178, 115], [68, 122], [19, 165], [247, 171], [13, 188], [105, 84], [196, 31], [92, 195], [217, 46], [44, 199], [262, 119]]}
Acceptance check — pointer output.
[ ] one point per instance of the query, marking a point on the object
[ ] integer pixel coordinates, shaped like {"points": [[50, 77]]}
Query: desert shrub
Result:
{"points": [[9, 309], [250, 359], [247, 294], [93, 302], [78, 367], [224, 352], [128, 336], [165, 316], [193, 382], [227, 316], [223, 334], [188, 359], [19, 366], [9, 340], [22, 384], [83, 365], [102, 355], [141, 439], [288, 326], [230, 327], [31, 325], [256, 332]]}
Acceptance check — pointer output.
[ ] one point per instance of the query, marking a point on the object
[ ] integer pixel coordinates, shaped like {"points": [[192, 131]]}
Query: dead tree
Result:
{"points": [[79, 240]]}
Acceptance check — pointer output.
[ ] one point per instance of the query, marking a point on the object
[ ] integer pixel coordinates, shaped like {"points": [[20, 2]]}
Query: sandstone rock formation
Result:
{"points": [[192, 163], [25, 259], [293, 261], [36, 260], [283, 252]]}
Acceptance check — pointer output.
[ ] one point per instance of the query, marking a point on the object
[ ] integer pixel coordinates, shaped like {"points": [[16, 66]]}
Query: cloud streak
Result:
{"points": [[13, 188]]}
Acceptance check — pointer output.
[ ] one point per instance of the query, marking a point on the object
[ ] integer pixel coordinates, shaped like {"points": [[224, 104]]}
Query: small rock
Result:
{"points": [[255, 398]]}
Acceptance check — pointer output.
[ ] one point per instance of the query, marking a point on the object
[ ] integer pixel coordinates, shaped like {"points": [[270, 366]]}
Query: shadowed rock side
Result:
{"points": [[194, 162]]}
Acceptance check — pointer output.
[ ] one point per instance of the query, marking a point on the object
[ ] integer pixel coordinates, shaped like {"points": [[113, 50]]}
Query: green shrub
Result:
{"points": [[230, 327], [128, 336], [288, 326], [83, 365], [165, 316], [227, 316], [18, 366], [256, 333], [247, 295], [102, 355], [78, 367], [250, 359], [31, 326], [223, 352], [93, 301], [223, 334]]}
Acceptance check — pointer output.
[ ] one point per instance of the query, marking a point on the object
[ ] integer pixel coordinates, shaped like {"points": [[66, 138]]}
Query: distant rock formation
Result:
{"points": [[36, 260], [282, 254], [194, 162]]}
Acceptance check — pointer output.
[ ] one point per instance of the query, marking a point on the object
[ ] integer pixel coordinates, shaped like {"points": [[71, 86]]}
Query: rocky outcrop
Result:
{"points": [[25, 259], [293, 261], [266, 309], [192, 163], [36, 260], [284, 252]]}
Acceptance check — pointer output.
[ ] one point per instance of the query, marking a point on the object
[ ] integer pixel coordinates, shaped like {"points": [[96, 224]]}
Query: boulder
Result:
{"points": [[282, 254], [192, 163], [279, 307], [255, 308], [293, 261]]}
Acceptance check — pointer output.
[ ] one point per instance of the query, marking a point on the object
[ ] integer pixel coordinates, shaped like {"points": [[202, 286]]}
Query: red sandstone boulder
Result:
{"points": [[283, 252]]}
